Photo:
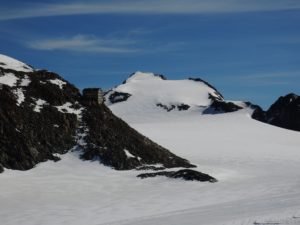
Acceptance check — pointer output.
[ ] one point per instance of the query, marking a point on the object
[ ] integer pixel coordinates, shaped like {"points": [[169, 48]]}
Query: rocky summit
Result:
{"points": [[284, 112], [42, 115]]}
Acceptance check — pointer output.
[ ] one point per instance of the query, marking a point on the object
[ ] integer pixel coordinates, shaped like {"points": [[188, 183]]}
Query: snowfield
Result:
{"points": [[257, 167]]}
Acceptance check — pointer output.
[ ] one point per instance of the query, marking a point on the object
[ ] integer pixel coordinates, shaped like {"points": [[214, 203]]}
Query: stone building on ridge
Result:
{"points": [[92, 96]]}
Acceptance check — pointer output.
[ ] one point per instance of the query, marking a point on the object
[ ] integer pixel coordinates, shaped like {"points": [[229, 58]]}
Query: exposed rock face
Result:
{"points": [[32, 133], [165, 107], [116, 96], [258, 112], [218, 105], [185, 174], [285, 113], [183, 107], [180, 107], [41, 115], [153, 168], [221, 107], [116, 144]]}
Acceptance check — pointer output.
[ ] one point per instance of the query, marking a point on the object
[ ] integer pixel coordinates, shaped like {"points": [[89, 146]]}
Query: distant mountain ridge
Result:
{"points": [[152, 94], [147, 95]]}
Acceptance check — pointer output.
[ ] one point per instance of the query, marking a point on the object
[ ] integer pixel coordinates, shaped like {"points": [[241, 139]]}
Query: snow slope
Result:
{"points": [[7, 62], [257, 166]]}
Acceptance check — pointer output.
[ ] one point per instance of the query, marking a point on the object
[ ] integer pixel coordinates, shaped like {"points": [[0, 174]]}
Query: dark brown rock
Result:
{"points": [[285, 113], [29, 137], [185, 174], [110, 137], [116, 97]]}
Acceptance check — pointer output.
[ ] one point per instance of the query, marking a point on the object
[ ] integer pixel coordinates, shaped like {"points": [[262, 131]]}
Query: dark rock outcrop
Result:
{"points": [[183, 107], [221, 107], [258, 112], [218, 105], [28, 137], [185, 174], [154, 168], [116, 97], [168, 108], [116, 144], [285, 113]]}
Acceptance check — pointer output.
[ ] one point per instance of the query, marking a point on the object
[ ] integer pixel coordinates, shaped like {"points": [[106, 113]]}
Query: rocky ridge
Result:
{"points": [[284, 112]]}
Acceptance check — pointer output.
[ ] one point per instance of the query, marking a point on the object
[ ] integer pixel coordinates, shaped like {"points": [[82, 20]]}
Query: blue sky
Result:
{"points": [[248, 49]]}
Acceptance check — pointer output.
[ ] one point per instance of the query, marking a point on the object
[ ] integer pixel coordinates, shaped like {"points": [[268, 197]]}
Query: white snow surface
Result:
{"points": [[9, 79], [7, 62], [68, 108], [257, 166], [58, 82], [147, 90], [25, 81], [20, 95], [128, 154], [39, 103]]}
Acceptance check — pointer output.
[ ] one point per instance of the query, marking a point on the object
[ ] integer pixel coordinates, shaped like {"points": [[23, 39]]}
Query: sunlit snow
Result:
{"points": [[9, 79], [39, 103], [7, 62], [68, 108], [25, 81], [58, 82], [20, 96]]}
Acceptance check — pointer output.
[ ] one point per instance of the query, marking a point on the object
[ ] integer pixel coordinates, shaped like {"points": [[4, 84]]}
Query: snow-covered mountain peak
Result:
{"points": [[156, 89], [7, 62], [151, 94]]}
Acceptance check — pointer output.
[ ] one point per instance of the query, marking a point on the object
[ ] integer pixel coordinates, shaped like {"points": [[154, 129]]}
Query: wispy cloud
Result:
{"points": [[94, 44], [147, 7], [84, 43]]}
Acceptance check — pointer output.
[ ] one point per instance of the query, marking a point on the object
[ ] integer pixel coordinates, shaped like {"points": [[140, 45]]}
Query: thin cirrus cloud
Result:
{"points": [[270, 78], [146, 7], [84, 43], [93, 44]]}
